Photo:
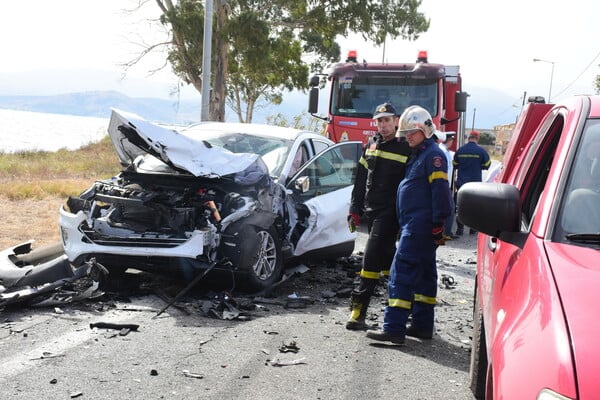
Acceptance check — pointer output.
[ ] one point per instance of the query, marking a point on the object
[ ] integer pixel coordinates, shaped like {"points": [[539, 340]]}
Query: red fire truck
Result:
{"points": [[356, 88]]}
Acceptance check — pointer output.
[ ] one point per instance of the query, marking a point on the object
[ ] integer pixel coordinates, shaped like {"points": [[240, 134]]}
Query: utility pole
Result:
{"points": [[206, 58], [551, 76], [473, 122]]}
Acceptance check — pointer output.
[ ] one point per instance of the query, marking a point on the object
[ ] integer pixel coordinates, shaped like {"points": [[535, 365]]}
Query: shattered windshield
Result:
{"points": [[358, 96], [579, 217], [272, 150]]}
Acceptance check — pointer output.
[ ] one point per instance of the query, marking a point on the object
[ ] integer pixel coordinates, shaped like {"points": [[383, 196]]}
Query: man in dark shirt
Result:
{"points": [[380, 170], [469, 160]]}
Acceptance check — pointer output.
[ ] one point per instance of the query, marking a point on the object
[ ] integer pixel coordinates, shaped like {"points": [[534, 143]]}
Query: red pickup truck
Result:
{"points": [[536, 320]]}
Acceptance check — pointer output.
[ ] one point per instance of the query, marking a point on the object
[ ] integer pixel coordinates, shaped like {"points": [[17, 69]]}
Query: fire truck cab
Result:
{"points": [[357, 88]]}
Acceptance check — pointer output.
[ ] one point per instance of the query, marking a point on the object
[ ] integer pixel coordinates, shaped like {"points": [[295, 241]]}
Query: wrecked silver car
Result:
{"points": [[245, 198]]}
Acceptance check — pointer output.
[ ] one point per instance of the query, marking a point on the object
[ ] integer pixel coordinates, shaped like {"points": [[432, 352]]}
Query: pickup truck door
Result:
{"points": [[517, 274]]}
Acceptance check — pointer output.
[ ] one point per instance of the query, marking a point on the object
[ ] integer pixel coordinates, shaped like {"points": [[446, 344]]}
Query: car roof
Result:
{"points": [[253, 129]]}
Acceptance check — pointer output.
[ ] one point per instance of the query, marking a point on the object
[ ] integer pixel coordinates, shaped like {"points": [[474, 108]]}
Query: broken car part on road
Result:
{"points": [[52, 282]]}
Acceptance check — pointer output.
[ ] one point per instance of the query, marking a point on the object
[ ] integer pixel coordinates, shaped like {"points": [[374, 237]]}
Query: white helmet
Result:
{"points": [[415, 117]]}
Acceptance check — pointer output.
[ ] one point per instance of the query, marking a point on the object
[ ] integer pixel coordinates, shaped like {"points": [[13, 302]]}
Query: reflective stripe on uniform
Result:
{"points": [[385, 272], [369, 274], [400, 303], [387, 155], [421, 298], [438, 175], [363, 162]]}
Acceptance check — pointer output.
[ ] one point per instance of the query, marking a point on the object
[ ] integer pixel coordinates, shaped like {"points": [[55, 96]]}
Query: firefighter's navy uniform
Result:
{"points": [[423, 203], [380, 170], [469, 160]]}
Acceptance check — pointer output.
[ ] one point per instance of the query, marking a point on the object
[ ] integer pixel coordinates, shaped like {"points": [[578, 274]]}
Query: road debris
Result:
{"points": [[47, 354], [289, 347], [448, 281], [193, 283], [49, 283], [284, 363], [110, 325], [189, 374]]}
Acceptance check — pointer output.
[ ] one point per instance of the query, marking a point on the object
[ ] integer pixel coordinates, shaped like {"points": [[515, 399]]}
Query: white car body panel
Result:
{"points": [[330, 227]]}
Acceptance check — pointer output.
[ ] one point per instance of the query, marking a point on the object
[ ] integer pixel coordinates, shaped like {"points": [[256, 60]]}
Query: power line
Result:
{"points": [[578, 76]]}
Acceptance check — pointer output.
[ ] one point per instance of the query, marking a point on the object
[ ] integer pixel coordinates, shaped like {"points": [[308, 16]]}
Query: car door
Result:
{"points": [[520, 293], [319, 198]]}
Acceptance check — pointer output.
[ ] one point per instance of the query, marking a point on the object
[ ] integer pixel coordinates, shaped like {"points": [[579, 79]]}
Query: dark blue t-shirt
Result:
{"points": [[469, 160]]}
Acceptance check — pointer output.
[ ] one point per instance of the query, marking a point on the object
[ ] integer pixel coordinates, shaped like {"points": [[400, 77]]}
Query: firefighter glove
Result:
{"points": [[437, 233], [353, 221]]}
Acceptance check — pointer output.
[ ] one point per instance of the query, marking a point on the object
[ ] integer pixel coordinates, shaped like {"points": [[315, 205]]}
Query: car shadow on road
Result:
{"points": [[437, 350]]}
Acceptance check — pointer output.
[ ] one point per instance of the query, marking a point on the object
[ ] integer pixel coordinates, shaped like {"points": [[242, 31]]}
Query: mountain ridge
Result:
{"points": [[98, 103]]}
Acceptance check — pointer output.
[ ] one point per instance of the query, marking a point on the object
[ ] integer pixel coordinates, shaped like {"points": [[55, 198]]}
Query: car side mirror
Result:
{"points": [[302, 184]]}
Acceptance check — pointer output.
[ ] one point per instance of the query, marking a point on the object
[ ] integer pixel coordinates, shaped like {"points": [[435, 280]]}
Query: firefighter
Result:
{"points": [[423, 204], [469, 160], [380, 170]]}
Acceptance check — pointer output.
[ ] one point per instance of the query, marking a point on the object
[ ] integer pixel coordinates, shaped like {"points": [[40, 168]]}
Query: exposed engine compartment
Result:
{"points": [[159, 210]]}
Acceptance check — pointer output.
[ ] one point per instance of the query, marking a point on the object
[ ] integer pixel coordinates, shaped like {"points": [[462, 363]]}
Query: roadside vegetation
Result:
{"points": [[42, 174]]}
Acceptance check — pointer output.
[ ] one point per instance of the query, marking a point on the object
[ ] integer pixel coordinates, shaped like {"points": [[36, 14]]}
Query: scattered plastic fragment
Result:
{"points": [[189, 374], [284, 363]]}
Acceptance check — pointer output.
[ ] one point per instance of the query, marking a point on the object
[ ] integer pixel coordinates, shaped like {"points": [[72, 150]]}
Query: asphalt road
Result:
{"points": [[280, 349]]}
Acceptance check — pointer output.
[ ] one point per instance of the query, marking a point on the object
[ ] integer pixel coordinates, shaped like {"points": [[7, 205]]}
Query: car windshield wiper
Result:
{"points": [[593, 238]]}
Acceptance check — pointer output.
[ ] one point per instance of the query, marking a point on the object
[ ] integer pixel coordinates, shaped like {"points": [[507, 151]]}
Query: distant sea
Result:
{"points": [[34, 131]]}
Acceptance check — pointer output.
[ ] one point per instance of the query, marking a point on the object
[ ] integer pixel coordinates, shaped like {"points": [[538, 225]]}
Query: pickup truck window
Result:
{"points": [[579, 217], [537, 166]]}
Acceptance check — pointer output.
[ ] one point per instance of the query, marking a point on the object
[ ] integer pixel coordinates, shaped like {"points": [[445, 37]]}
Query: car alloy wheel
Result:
{"points": [[267, 257]]}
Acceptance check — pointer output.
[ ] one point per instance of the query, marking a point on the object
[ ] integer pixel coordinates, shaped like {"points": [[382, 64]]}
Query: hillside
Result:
{"points": [[99, 103]]}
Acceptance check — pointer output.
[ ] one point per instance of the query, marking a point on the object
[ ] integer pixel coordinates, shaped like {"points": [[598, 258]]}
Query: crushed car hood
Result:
{"points": [[133, 136]]}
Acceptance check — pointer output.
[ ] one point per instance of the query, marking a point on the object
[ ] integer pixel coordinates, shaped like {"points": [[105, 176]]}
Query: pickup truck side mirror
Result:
{"points": [[492, 208]]}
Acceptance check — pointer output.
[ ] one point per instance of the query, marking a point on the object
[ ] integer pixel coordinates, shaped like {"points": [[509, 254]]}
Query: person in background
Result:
{"points": [[469, 160], [445, 141], [380, 170], [423, 204]]}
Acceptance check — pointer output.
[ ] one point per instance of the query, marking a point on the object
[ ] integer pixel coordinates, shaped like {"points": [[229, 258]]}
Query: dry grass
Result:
{"points": [[29, 219], [35, 184]]}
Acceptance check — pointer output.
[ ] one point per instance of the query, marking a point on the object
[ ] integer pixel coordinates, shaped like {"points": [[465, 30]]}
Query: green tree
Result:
{"points": [[487, 139], [261, 48]]}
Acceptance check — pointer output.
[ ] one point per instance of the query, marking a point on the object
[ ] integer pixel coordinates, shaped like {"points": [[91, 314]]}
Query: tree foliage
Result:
{"points": [[261, 48], [487, 139]]}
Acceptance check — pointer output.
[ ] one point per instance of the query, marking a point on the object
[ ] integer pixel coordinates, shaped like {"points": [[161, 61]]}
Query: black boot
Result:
{"points": [[359, 303], [460, 229], [384, 336]]}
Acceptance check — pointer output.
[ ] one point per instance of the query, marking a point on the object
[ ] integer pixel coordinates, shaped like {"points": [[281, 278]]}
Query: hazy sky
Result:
{"points": [[494, 42], [70, 34]]}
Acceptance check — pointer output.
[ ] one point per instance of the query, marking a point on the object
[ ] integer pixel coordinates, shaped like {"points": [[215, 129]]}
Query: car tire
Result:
{"points": [[479, 361], [265, 263]]}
